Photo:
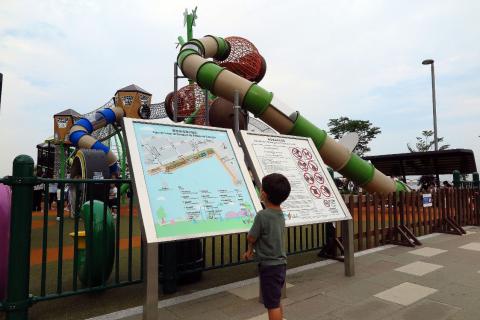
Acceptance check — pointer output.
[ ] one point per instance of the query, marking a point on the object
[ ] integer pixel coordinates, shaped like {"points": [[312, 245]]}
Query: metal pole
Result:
{"points": [[347, 235], [435, 137], [175, 88], [1, 84], [150, 304], [207, 109], [18, 299], [236, 113]]}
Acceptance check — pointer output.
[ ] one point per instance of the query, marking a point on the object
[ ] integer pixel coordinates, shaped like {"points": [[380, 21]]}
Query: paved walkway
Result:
{"points": [[439, 280]]}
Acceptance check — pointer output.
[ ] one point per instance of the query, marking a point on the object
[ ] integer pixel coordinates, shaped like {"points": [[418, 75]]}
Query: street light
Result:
{"points": [[435, 139]]}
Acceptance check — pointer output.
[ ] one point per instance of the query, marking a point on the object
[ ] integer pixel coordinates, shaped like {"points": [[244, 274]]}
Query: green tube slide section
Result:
{"points": [[303, 127], [358, 170], [257, 100], [400, 186], [207, 74]]}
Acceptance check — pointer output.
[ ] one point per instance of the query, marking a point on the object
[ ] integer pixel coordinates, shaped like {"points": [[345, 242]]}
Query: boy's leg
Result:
{"points": [[275, 314], [272, 279]]}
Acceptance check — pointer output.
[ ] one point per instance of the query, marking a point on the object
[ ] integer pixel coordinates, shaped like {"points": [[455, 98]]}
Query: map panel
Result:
{"points": [[314, 197], [195, 184]]}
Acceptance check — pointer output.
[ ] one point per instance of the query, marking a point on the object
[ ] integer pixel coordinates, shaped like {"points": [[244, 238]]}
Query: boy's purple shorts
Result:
{"points": [[272, 279]]}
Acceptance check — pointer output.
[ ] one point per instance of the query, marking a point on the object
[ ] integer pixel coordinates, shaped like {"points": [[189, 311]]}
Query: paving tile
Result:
{"points": [[246, 292], [426, 309], [390, 279], [404, 258], [458, 295], [469, 313], [303, 292], [370, 309], [203, 305], [419, 268], [261, 317], [427, 252], [406, 293], [212, 314], [475, 246], [162, 314], [377, 267], [317, 307], [355, 292], [243, 309]]}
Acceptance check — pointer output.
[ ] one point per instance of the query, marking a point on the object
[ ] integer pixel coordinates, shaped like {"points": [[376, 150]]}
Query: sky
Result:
{"points": [[326, 59]]}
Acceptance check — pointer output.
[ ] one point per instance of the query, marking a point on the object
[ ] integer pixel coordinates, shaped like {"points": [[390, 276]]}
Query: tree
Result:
{"points": [[364, 128], [425, 144]]}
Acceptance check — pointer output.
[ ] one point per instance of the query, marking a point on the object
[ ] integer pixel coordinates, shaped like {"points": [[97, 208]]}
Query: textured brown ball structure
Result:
{"points": [[244, 60], [221, 115], [189, 98]]}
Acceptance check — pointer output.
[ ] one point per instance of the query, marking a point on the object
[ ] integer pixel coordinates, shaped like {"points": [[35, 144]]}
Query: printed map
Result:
{"points": [[194, 182]]}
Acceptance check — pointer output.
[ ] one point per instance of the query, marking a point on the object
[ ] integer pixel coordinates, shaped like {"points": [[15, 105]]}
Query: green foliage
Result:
{"points": [[426, 143], [364, 128]]}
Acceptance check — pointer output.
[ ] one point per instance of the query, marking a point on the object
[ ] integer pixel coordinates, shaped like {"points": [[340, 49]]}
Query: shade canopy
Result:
{"points": [[422, 163]]}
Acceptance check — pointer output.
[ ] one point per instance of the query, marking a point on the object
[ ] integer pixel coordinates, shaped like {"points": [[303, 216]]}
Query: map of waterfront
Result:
{"points": [[194, 181]]}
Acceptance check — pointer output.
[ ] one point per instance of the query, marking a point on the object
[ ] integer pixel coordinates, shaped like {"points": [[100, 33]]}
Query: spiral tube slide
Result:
{"points": [[192, 60], [80, 133]]}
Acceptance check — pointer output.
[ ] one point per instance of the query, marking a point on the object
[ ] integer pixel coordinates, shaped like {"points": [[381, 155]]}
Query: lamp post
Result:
{"points": [[432, 69]]}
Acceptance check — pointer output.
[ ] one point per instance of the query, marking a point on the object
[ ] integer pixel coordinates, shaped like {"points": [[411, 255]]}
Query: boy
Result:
{"points": [[267, 237]]}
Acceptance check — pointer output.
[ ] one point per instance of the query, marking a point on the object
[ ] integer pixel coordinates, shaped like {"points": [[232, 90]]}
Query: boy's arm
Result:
{"points": [[252, 237], [249, 253]]}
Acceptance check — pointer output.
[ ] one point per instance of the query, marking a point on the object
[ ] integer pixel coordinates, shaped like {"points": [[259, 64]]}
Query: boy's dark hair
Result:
{"points": [[277, 187]]}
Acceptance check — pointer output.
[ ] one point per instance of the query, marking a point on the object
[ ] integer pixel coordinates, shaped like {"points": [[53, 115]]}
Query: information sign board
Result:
{"points": [[314, 197], [191, 181]]}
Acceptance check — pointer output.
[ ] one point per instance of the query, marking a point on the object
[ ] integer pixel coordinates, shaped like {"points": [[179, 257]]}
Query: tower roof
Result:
{"points": [[135, 88], [68, 112]]}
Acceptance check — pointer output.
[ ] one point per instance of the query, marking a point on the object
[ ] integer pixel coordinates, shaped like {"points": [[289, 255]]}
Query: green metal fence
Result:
{"points": [[49, 259]]}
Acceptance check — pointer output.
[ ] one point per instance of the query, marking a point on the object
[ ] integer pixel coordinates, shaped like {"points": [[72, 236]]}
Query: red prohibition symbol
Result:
{"points": [[325, 191], [309, 178], [316, 192], [303, 165], [297, 153], [312, 166], [307, 154], [319, 178]]}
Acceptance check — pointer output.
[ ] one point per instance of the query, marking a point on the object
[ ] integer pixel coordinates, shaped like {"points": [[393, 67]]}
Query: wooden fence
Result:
{"points": [[400, 218]]}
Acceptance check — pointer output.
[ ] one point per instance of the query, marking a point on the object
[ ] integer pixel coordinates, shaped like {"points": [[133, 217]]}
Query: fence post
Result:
{"points": [[18, 299]]}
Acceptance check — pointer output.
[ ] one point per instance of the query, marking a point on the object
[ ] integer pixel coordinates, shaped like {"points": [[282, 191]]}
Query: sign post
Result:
{"points": [[150, 265]]}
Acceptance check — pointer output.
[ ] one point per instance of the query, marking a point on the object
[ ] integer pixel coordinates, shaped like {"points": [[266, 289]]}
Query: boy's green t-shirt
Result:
{"points": [[269, 230]]}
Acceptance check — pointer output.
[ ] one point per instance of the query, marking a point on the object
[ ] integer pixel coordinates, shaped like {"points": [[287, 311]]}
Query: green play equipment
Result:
{"points": [[96, 244]]}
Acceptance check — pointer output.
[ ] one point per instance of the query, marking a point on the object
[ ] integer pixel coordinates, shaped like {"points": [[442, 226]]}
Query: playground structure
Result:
{"points": [[208, 99]]}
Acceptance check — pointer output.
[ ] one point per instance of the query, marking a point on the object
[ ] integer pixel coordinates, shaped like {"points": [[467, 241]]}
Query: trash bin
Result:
{"points": [[180, 261]]}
